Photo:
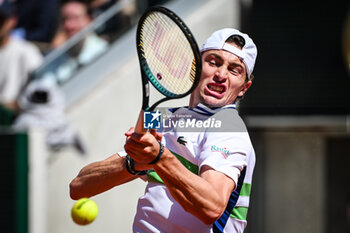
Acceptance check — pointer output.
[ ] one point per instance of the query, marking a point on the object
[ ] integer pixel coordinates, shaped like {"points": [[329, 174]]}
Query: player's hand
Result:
{"points": [[142, 148], [154, 132]]}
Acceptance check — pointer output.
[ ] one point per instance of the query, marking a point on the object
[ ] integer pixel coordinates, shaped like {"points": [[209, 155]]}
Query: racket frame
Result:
{"points": [[147, 75]]}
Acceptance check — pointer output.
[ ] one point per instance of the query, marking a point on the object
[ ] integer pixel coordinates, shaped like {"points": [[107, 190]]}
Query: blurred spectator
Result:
{"points": [[37, 20], [75, 16], [119, 23], [99, 6], [42, 106], [18, 58]]}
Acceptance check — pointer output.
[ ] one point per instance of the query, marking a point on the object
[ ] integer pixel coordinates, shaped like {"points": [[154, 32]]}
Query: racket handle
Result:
{"points": [[139, 124]]}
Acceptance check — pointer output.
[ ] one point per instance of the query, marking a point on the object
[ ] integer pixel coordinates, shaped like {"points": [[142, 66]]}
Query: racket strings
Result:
{"points": [[169, 54], [169, 60]]}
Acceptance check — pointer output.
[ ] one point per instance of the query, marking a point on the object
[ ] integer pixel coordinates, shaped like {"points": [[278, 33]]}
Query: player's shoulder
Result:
{"points": [[230, 120]]}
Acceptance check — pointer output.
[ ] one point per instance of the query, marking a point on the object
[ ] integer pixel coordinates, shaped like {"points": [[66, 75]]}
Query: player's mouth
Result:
{"points": [[216, 90]]}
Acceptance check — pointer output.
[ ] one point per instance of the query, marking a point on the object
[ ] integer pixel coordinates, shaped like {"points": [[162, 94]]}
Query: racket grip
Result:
{"points": [[139, 124]]}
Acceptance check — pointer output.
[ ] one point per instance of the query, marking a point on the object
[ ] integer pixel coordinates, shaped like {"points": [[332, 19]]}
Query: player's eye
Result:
{"points": [[212, 62], [235, 70]]}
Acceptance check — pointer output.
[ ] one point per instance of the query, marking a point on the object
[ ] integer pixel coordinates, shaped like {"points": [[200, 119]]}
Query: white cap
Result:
{"points": [[247, 54]]}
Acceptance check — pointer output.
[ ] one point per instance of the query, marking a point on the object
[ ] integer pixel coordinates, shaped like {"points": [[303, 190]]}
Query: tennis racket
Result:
{"points": [[169, 58]]}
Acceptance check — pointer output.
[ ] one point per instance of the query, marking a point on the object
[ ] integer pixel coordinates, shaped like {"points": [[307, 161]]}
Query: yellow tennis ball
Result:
{"points": [[84, 211]]}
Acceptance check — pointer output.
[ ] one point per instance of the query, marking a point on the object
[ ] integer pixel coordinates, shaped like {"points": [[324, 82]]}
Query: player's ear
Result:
{"points": [[245, 87]]}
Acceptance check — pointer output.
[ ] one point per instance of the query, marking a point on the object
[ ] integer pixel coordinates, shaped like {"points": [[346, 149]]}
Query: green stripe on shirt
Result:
{"points": [[152, 176], [245, 191], [239, 212]]}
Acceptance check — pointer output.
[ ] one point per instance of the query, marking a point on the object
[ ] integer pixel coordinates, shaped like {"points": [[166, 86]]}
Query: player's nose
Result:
{"points": [[221, 74]]}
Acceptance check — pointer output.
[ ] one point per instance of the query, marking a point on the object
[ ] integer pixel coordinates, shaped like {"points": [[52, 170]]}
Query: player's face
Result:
{"points": [[223, 79], [74, 18]]}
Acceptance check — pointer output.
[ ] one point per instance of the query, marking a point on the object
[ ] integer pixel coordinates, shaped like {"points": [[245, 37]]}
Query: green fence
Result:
{"points": [[6, 116], [14, 182]]}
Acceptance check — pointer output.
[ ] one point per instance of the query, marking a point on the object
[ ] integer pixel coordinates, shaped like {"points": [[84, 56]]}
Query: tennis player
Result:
{"points": [[199, 180]]}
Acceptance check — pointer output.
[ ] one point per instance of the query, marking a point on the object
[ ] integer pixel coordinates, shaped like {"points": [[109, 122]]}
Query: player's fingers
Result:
{"points": [[142, 150], [130, 132], [130, 149], [152, 131], [135, 153], [137, 146], [146, 139], [156, 134], [139, 137], [131, 144], [159, 136], [133, 136]]}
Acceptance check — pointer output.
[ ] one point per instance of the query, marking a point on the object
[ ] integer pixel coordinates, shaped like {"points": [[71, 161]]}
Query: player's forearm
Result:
{"points": [[196, 195], [99, 177]]}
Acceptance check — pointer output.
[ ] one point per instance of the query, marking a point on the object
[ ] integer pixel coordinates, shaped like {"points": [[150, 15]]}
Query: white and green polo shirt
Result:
{"points": [[221, 143]]}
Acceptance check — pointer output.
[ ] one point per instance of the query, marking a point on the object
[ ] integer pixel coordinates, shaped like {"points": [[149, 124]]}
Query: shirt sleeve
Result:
{"points": [[226, 152]]}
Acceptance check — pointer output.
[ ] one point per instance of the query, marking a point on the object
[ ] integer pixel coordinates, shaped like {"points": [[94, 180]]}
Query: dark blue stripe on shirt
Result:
{"points": [[219, 225]]}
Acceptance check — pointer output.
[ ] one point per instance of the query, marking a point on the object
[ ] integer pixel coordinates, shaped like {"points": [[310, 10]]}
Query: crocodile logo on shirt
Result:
{"points": [[181, 140]]}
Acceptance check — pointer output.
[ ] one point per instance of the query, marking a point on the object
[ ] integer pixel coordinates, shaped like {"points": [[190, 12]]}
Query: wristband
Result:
{"points": [[161, 150], [130, 167]]}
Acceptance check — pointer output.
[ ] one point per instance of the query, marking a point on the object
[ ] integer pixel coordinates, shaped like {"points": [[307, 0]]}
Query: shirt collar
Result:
{"points": [[202, 109]]}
